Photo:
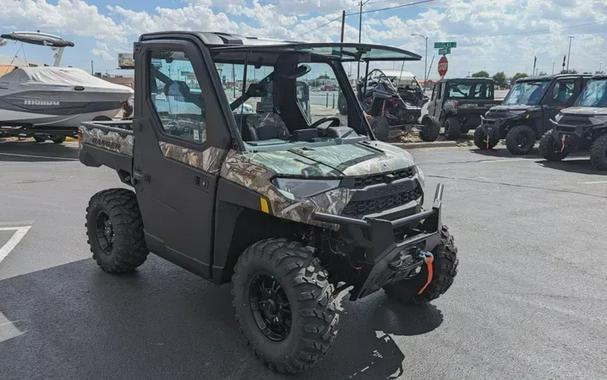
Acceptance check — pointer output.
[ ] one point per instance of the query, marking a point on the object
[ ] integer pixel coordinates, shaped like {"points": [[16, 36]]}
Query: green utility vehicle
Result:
{"points": [[237, 176]]}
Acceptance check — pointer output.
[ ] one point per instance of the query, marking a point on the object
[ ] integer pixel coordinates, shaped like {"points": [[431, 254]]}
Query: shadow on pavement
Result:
{"points": [[577, 165], [501, 151], [163, 322], [30, 151]]}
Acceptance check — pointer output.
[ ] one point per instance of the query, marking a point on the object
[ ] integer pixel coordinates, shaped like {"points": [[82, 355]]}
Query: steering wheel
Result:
{"points": [[334, 121]]}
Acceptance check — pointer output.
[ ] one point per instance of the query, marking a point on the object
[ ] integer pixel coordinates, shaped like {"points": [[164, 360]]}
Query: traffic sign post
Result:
{"points": [[443, 66]]}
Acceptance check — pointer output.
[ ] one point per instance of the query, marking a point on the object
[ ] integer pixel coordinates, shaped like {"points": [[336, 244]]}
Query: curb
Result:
{"points": [[433, 144]]}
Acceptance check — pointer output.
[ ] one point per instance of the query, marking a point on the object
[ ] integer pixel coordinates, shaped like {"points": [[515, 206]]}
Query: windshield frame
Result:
{"points": [[242, 57], [544, 82], [578, 101]]}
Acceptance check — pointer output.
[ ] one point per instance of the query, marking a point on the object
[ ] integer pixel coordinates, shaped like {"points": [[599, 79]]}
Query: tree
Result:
{"points": [[481, 74], [518, 76], [500, 79]]}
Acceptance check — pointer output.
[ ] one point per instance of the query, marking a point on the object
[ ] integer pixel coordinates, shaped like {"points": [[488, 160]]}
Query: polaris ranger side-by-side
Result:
{"points": [[582, 127], [524, 115], [238, 178], [457, 105]]}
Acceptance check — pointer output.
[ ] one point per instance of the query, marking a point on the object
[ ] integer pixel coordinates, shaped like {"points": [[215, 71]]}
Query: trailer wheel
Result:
{"points": [[444, 271], [551, 149], [430, 130], [58, 139], [482, 141], [520, 140], [284, 304], [598, 153], [453, 128], [114, 230]]}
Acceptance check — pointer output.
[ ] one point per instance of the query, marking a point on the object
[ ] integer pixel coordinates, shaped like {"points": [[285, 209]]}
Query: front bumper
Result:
{"points": [[383, 248], [494, 128]]}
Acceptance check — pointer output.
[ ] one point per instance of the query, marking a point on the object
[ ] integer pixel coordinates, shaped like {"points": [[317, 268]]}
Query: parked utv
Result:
{"points": [[243, 185], [457, 105], [582, 127], [524, 115], [381, 98]]}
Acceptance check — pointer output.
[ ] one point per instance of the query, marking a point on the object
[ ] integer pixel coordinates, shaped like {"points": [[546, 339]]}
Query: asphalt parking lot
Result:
{"points": [[530, 299]]}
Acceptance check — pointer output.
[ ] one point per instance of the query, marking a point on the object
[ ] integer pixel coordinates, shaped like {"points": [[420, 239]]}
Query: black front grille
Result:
{"points": [[574, 120], [387, 177], [370, 206]]}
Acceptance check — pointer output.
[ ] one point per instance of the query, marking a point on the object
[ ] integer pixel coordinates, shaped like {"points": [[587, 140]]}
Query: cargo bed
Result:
{"points": [[108, 143]]}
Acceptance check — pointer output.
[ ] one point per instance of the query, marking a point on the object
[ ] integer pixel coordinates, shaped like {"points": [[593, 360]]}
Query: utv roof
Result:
{"points": [[469, 79], [551, 77], [225, 44]]}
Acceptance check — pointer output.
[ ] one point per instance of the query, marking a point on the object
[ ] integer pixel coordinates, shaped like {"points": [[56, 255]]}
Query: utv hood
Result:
{"points": [[515, 108], [369, 157], [585, 111]]}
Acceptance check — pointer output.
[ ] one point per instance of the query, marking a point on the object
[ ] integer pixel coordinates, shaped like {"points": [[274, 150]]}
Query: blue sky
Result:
{"points": [[495, 35]]}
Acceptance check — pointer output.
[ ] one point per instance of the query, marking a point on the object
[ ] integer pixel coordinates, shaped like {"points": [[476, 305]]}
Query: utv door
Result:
{"points": [[561, 95], [177, 160], [435, 101]]}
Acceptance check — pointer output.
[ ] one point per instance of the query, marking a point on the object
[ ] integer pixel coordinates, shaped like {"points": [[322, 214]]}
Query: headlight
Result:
{"points": [[598, 119], [421, 176], [298, 188]]}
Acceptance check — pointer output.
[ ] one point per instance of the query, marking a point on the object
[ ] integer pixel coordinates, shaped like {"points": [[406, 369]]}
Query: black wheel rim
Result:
{"points": [[104, 232], [270, 307], [522, 140]]}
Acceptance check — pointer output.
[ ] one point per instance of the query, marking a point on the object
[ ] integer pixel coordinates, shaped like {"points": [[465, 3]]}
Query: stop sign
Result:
{"points": [[443, 66]]}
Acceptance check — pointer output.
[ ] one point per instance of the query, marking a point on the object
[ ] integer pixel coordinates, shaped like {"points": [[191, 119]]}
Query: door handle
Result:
{"points": [[139, 176]]}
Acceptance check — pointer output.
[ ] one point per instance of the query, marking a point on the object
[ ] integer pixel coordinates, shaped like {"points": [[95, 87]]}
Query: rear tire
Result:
{"points": [[115, 231], [550, 148], [598, 153], [58, 139], [520, 140], [381, 128], [293, 341], [453, 128], [430, 130], [482, 141], [445, 269]]}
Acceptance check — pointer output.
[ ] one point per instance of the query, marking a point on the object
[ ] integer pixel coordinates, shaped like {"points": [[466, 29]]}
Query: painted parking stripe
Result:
{"points": [[594, 182], [7, 329], [13, 241]]}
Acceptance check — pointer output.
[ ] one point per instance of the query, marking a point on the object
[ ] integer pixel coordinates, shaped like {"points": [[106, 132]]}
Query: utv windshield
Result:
{"points": [[470, 90], [594, 94], [526, 93]]}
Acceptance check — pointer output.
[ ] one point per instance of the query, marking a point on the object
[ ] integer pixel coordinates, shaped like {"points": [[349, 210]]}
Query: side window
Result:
{"points": [[177, 96], [563, 92]]}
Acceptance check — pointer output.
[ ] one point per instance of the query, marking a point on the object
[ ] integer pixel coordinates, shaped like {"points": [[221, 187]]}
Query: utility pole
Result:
{"points": [[360, 28], [426, 58], [343, 25], [534, 65], [569, 53], [92, 68], [552, 67]]}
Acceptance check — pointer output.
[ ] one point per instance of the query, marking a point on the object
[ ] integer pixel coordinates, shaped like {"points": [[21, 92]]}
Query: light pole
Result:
{"points": [[569, 53], [426, 58], [360, 29]]}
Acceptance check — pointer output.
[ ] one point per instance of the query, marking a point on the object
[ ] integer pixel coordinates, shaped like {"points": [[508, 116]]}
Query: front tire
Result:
{"points": [[453, 128], [58, 139], [482, 141], [444, 267], [284, 304], [550, 148], [115, 231], [520, 140], [598, 153], [430, 130]]}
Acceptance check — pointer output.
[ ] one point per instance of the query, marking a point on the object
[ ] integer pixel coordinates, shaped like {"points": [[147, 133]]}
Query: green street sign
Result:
{"points": [[444, 51], [442, 45]]}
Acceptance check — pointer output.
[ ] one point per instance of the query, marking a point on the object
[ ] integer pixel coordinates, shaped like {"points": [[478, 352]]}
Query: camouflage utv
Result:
{"points": [[238, 175]]}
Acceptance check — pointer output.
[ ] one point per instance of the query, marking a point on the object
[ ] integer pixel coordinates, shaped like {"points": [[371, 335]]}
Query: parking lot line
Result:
{"points": [[13, 241], [7, 329], [594, 182]]}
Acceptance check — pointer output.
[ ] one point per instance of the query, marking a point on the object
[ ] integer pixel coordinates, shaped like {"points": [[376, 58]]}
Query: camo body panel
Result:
{"points": [[245, 171], [208, 160], [113, 141]]}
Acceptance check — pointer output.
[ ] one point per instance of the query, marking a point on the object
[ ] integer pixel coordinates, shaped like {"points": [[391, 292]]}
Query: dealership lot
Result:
{"points": [[529, 301]]}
